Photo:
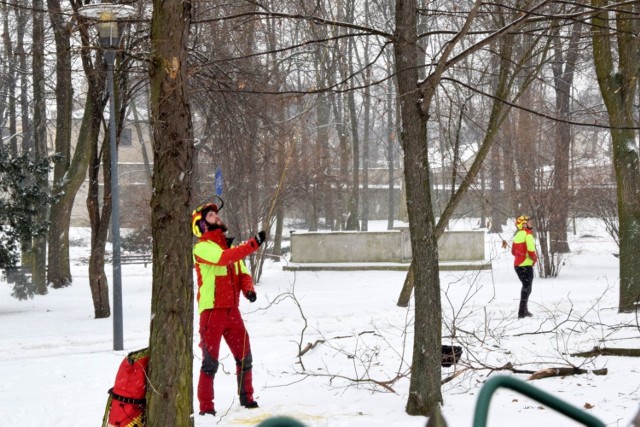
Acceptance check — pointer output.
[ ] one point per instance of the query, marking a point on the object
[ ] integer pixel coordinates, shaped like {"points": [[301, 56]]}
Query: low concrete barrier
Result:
{"points": [[349, 246], [393, 246], [461, 246]]}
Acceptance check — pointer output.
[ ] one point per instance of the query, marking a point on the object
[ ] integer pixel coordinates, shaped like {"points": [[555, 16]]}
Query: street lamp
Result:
{"points": [[107, 16]]}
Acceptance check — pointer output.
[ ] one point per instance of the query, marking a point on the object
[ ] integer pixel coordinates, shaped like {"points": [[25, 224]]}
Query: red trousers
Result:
{"points": [[216, 324]]}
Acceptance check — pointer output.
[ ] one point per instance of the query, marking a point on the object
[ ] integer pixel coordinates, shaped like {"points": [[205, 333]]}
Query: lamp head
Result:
{"points": [[108, 30], [108, 17]]}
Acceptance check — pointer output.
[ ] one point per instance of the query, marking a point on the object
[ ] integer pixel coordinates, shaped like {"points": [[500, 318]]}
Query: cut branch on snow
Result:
{"points": [[509, 367], [563, 372], [627, 352]]}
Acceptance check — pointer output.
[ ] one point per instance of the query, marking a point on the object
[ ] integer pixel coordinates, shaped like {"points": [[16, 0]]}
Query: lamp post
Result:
{"points": [[109, 36]]}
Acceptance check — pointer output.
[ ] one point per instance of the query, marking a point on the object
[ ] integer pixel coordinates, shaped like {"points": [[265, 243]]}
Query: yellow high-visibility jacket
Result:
{"points": [[524, 248], [221, 273]]}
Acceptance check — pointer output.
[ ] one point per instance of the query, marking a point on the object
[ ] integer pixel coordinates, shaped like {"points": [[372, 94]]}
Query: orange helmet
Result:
{"points": [[198, 224], [521, 221]]}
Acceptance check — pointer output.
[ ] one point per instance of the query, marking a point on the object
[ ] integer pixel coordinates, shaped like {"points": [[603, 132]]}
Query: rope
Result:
{"points": [[280, 182], [267, 221], [105, 417], [267, 226]]}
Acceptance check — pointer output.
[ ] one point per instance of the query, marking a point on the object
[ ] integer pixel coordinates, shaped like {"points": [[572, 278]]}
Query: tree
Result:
{"points": [[615, 53], [39, 271], [518, 71], [563, 67], [10, 79], [68, 172], [92, 120], [424, 391], [21, 200], [415, 102], [353, 222], [170, 392]]}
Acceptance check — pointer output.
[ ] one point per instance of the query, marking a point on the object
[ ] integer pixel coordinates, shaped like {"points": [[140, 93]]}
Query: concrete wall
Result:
{"points": [[461, 246], [380, 246]]}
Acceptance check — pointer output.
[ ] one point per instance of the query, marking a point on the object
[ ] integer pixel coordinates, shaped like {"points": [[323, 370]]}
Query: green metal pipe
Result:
{"points": [[484, 398], [281, 422]]}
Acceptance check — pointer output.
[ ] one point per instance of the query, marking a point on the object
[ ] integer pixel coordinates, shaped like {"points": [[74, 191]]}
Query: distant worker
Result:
{"points": [[222, 276], [524, 251]]}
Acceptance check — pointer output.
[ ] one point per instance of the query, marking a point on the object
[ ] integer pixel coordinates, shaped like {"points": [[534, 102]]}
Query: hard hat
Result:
{"points": [[521, 221], [198, 224]]}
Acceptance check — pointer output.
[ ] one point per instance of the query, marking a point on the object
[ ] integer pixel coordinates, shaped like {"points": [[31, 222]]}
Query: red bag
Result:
{"points": [[127, 404]]}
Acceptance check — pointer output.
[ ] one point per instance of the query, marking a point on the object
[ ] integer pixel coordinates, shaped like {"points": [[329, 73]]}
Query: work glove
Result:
{"points": [[261, 237], [252, 296]]}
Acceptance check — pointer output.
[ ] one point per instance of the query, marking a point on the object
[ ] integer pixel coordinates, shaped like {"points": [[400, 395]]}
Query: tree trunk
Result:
{"points": [[322, 196], [25, 115], [26, 142], [68, 175], [563, 71], [496, 215], [424, 389], [509, 169], [39, 273], [10, 71], [343, 178], [324, 191], [525, 160], [277, 241], [391, 134], [59, 272], [93, 118], [340, 118], [353, 222], [617, 85], [365, 140], [98, 280], [99, 223], [170, 396]]}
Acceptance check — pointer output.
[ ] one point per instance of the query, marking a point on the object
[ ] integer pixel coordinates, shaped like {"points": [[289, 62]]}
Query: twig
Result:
{"points": [[310, 346]]}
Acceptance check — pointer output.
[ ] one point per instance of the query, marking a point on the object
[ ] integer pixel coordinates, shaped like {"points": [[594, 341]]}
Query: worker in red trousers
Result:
{"points": [[221, 277]]}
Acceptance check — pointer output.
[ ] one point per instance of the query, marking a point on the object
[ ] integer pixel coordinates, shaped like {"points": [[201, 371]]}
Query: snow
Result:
{"points": [[57, 362]]}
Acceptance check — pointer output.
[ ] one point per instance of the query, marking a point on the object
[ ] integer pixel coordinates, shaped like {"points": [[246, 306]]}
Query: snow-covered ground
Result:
{"points": [[57, 362]]}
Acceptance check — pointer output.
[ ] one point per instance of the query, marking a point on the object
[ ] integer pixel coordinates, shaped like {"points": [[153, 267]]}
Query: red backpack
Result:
{"points": [[126, 405]]}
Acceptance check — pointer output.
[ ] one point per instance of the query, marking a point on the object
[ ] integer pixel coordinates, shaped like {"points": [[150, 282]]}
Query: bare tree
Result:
{"points": [[69, 172], [39, 139], [98, 156], [510, 70], [424, 391], [563, 67], [170, 377], [11, 78], [615, 49]]}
